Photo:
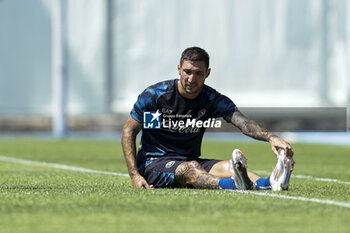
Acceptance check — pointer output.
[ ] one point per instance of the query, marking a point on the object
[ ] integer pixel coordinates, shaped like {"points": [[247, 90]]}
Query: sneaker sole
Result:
{"points": [[241, 178], [282, 176], [289, 169]]}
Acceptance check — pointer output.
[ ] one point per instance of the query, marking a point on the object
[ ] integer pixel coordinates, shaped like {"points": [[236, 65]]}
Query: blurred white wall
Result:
{"points": [[25, 54], [263, 53]]}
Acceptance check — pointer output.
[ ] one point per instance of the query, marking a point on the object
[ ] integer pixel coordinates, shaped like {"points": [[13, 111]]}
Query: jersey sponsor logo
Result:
{"points": [[151, 120], [167, 111], [169, 164]]}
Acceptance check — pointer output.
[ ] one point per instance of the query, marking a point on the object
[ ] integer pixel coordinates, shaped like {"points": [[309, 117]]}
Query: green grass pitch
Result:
{"points": [[45, 199]]}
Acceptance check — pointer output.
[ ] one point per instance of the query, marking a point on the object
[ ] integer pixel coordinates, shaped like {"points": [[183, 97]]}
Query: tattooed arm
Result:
{"points": [[252, 129], [130, 131]]}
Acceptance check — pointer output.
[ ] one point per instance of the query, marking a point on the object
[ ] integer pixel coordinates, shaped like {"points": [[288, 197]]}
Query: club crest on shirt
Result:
{"points": [[201, 113], [169, 164]]}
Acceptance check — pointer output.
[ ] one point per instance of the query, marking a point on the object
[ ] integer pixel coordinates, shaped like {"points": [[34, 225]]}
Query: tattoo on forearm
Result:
{"points": [[250, 127], [130, 131], [191, 174]]}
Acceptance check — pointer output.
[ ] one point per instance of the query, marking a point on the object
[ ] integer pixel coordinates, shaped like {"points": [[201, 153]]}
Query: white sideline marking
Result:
{"points": [[309, 178], [328, 202], [320, 179], [66, 167], [59, 166]]}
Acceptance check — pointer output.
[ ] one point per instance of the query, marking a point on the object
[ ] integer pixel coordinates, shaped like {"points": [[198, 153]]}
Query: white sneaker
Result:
{"points": [[279, 178], [240, 175]]}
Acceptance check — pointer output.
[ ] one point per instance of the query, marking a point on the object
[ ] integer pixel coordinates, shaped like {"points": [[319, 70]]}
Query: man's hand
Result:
{"points": [[278, 143], [139, 182]]}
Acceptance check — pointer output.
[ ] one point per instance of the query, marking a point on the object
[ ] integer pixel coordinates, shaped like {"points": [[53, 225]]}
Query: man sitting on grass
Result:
{"points": [[173, 116]]}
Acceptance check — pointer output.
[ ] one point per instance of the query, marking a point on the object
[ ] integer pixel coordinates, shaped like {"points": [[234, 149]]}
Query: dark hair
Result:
{"points": [[195, 54]]}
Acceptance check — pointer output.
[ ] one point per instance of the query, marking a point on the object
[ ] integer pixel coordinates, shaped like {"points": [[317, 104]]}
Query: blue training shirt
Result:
{"points": [[182, 121]]}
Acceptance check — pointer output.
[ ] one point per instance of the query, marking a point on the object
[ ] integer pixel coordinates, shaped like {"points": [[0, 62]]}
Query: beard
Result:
{"points": [[191, 88]]}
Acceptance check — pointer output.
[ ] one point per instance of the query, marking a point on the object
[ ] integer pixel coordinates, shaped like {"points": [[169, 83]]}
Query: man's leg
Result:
{"points": [[279, 179], [191, 174], [223, 169]]}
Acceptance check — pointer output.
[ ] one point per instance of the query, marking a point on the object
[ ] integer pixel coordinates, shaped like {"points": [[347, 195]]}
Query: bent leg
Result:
{"points": [[223, 169], [191, 174]]}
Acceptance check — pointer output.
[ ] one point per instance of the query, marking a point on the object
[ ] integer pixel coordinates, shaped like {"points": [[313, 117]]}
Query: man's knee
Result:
{"points": [[185, 173], [222, 169]]}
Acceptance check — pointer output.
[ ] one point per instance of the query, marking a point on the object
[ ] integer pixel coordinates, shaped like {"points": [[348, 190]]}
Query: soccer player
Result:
{"points": [[173, 116]]}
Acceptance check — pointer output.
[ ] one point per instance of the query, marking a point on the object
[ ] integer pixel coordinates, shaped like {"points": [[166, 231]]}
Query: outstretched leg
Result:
{"points": [[223, 169], [191, 174], [251, 180], [279, 179]]}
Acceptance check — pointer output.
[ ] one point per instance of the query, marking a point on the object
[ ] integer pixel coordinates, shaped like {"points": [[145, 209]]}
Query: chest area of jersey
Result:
{"points": [[177, 108], [184, 116]]}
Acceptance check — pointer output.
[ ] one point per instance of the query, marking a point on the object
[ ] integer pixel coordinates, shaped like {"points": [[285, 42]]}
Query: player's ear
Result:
{"points": [[179, 69], [208, 72]]}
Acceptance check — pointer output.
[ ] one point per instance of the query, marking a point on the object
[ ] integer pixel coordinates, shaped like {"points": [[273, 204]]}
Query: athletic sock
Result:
{"points": [[263, 184], [227, 183]]}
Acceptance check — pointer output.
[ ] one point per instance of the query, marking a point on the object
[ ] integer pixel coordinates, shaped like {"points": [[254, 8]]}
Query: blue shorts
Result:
{"points": [[160, 172]]}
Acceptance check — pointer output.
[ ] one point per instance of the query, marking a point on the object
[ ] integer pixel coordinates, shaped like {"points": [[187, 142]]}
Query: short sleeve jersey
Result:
{"points": [[182, 121]]}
